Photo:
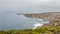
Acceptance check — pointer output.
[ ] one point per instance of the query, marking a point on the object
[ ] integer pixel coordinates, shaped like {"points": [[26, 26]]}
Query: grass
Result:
{"points": [[45, 30]]}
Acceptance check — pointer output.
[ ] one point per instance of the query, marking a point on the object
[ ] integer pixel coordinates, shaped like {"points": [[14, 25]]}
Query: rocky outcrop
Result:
{"points": [[45, 16], [53, 17]]}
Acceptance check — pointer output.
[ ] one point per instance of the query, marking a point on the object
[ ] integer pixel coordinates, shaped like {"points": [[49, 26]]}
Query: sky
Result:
{"points": [[30, 5]]}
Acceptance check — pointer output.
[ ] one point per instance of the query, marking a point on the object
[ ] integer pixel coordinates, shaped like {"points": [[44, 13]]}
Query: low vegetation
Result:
{"points": [[45, 30]]}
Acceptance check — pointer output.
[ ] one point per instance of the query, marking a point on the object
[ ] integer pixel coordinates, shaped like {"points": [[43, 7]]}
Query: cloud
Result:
{"points": [[30, 5], [20, 3]]}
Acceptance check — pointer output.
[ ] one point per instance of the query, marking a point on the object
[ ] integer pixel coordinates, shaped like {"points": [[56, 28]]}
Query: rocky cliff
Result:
{"points": [[53, 17]]}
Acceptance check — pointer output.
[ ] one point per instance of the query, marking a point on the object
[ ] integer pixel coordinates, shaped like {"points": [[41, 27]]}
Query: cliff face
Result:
{"points": [[47, 16], [53, 17]]}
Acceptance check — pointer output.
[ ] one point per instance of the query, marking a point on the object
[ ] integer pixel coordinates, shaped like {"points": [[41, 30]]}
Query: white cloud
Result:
{"points": [[20, 3], [27, 1], [27, 5]]}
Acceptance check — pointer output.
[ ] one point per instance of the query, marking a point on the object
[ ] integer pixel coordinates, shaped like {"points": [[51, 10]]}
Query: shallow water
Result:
{"points": [[10, 20]]}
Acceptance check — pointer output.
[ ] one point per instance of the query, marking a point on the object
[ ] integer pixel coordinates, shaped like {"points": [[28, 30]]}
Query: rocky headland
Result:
{"points": [[53, 17], [53, 27]]}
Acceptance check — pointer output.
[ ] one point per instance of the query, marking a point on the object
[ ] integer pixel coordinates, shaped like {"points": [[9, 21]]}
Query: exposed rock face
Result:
{"points": [[46, 16], [55, 24], [53, 17]]}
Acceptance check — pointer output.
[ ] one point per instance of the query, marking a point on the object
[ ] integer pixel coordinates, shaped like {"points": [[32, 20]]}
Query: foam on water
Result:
{"points": [[37, 25], [22, 16], [40, 23]]}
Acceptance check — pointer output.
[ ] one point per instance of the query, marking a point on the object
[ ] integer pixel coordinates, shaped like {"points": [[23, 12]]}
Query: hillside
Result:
{"points": [[48, 15], [53, 17]]}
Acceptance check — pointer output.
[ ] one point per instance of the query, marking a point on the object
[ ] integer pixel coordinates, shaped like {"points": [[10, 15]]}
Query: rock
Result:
{"points": [[53, 17]]}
